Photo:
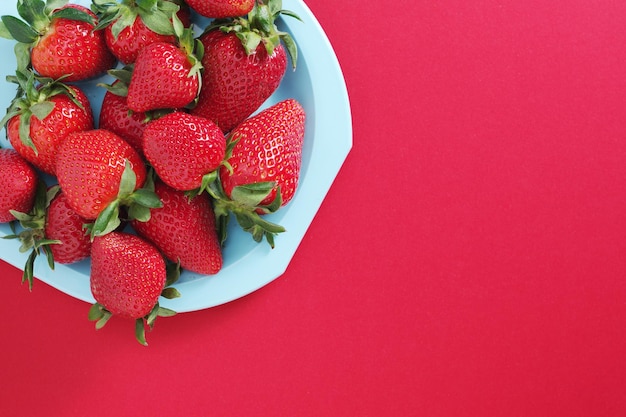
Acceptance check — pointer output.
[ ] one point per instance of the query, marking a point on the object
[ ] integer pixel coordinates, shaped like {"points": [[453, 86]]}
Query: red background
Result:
{"points": [[469, 259]]}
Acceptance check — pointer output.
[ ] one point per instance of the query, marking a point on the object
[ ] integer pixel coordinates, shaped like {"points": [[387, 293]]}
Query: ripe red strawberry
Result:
{"points": [[43, 116], [184, 149], [162, 78], [61, 41], [262, 169], [99, 172], [184, 230], [18, 181], [116, 117], [128, 275], [244, 63], [131, 25], [221, 8], [165, 75], [53, 228], [64, 225]]}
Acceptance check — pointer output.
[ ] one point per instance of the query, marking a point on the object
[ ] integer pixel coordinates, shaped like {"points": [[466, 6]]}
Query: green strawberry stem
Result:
{"points": [[245, 205], [140, 323], [36, 18], [193, 48], [32, 99], [172, 274], [99, 313], [155, 14], [139, 203], [259, 27], [122, 77], [32, 237]]}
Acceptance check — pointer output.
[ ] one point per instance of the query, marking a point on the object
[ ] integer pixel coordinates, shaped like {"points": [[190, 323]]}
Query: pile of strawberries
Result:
{"points": [[181, 145]]}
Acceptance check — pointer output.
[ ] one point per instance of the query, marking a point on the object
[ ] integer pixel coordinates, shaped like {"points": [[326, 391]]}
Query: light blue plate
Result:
{"points": [[319, 86]]}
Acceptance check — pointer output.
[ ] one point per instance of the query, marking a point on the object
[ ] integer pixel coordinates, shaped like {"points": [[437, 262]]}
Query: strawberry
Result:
{"points": [[131, 25], [53, 228], [115, 116], [166, 75], [244, 63], [128, 275], [63, 224], [58, 42], [184, 230], [262, 169], [42, 115], [18, 181], [221, 8], [184, 150], [99, 172]]}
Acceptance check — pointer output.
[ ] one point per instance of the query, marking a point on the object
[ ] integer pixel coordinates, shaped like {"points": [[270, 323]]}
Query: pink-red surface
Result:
{"points": [[470, 259]]}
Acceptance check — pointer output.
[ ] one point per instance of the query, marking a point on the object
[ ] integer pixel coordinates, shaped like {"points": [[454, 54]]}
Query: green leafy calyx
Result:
{"points": [[244, 204], [155, 14], [32, 234], [101, 315], [259, 27], [32, 99], [35, 18], [138, 203]]}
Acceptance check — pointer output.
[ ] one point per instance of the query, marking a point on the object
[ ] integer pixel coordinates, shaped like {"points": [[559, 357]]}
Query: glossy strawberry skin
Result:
{"points": [[65, 225], [127, 274], [184, 230], [183, 148], [269, 148], [134, 38], [235, 85], [90, 166], [116, 117], [71, 47], [161, 79], [18, 181], [47, 134], [221, 8]]}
